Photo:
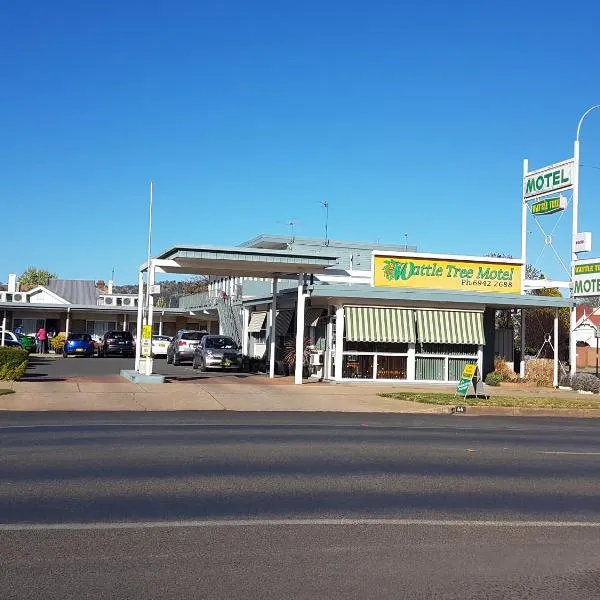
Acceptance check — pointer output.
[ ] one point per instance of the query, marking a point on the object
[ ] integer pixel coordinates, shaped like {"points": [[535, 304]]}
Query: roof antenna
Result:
{"points": [[325, 205], [406, 241], [292, 224]]}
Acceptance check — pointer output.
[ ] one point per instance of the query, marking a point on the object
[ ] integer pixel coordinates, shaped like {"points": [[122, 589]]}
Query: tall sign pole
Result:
{"points": [[524, 210]]}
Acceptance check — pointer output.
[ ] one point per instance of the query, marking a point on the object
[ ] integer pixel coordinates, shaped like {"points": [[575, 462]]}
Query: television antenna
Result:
{"points": [[325, 205]]}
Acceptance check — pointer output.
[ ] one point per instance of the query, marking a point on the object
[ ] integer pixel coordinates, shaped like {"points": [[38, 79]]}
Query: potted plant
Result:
{"points": [[289, 355]]}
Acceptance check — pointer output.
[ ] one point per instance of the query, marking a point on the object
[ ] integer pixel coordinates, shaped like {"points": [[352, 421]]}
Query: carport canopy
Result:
{"points": [[235, 261]]}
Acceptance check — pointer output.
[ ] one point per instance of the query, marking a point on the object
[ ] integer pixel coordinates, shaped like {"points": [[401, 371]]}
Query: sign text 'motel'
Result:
{"points": [[547, 180]]}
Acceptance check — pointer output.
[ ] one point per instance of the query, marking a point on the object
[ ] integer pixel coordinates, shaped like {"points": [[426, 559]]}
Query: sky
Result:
{"points": [[411, 120]]}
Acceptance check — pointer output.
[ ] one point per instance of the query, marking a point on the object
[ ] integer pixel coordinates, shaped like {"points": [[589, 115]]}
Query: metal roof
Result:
{"points": [[75, 291], [367, 293], [236, 261]]}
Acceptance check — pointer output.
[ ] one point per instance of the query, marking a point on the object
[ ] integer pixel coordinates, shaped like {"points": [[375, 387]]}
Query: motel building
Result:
{"points": [[87, 306], [367, 312]]}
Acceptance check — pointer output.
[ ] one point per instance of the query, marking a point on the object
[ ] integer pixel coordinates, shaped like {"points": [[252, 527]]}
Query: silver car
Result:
{"points": [[217, 352], [182, 346]]}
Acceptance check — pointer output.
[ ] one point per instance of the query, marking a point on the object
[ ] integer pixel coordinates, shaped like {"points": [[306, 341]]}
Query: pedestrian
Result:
{"points": [[18, 330], [42, 338]]}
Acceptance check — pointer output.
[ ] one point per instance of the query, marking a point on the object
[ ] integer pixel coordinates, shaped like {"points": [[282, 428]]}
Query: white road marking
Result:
{"points": [[289, 523], [569, 453]]}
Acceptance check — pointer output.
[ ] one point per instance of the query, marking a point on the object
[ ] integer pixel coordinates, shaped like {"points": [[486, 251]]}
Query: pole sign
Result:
{"points": [[582, 242], [586, 280], [549, 206], [549, 179], [462, 389], [147, 340]]}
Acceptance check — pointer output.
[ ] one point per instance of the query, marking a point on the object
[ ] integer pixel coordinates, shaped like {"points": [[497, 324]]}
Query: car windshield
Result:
{"points": [[220, 342], [120, 335], [78, 337], [192, 335]]}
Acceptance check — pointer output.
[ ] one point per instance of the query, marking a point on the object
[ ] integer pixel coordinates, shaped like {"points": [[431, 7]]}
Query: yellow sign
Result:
{"points": [[147, 332], [446, 274]]}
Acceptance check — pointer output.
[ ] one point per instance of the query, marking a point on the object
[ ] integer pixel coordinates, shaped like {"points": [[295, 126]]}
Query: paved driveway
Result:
{"points": [[51, 368]]}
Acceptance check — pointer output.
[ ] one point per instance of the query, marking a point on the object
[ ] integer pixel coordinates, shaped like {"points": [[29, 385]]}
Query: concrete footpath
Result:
{"points": [[255, 394]]}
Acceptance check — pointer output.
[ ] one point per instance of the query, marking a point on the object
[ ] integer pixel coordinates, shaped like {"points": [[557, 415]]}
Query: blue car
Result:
{"points": [[79, 344]]}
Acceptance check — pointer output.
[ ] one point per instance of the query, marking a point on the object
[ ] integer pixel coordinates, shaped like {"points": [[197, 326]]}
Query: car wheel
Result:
{"points": [[65, 355]]}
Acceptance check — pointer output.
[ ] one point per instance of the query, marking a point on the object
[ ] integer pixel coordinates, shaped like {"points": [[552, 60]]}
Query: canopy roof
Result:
{"points": [[235, 261]]}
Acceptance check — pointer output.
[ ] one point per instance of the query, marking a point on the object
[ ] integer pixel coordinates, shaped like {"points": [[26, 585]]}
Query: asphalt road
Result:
{"points": [[52, 368], [298, 506]]}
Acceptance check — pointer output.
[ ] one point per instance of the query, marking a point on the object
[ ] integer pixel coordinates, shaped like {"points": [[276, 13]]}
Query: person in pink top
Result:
{"points": [[42, 338]]}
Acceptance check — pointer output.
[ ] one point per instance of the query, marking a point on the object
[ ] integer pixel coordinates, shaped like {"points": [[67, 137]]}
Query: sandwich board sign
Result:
{"points": [[471, 377]]}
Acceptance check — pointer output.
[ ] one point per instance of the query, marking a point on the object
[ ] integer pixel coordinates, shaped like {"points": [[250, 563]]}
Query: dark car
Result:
{"points": [[182, 346], [79, 344], [118, 343], [217, 352]]}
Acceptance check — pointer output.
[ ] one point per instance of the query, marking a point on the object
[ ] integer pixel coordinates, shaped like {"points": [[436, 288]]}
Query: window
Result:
{"points": [[192, 335], [357, 366], [219, 343]]}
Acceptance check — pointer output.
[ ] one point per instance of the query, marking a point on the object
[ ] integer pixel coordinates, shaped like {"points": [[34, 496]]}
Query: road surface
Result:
{"points": [[298, 506]]}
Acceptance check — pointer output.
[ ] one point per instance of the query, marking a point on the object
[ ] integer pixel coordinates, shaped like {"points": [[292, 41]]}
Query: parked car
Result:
{"points": [[217, 352], [79, 344], [117, 342], [12, 339], [160, 345], [27, 341], [182, 346]]}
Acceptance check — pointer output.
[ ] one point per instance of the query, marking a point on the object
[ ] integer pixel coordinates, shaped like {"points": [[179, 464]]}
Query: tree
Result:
{"points": [[161, 302], [33, 277]]}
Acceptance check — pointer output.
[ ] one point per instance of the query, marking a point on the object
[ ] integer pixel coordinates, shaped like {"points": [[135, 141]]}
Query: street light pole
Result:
{"points": [[575, 231]]}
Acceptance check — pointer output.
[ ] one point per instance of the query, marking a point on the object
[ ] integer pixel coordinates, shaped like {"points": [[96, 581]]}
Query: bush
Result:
{"points": [[13, 363], [565, 380], [540, 371], [585, 382], [58, 342], [502, 368], [493, 379]]}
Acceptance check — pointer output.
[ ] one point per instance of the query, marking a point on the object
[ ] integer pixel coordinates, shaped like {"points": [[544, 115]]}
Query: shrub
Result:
{"points": [[58, 342], [565, 380], [502, 368], [13, 363], [493, 379], [540, 371], [585, 382]]}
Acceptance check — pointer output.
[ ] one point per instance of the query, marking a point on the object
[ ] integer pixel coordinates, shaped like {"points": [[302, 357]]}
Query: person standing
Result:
{"points": [[42, 338]]}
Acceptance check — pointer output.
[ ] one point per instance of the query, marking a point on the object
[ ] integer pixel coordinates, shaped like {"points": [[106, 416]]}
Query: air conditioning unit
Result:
{"points": [[316, 359], [127, 301], [108, 300], [19, 297]]}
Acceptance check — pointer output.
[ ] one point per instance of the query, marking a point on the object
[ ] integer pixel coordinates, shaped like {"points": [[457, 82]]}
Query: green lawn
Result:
{"points": [[4, 392], [520, 402]]}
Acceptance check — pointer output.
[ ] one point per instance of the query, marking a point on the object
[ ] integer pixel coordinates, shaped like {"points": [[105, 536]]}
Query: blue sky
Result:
{"points": [[406, 119]]}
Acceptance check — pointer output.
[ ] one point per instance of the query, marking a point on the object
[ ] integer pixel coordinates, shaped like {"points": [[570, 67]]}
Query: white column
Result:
{"points": [[339, 341], [480, 360], [523, 332], [124, 321], [272, 328], [140, 314], [411, 362], [245, 317], [67, 323], [3, 328], [151, 279], [160, 324], [555, 376], [300, 331], [575, 227]]}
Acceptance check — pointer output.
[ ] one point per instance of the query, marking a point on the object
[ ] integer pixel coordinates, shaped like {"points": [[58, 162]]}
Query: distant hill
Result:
{"points": [[170, 290]]}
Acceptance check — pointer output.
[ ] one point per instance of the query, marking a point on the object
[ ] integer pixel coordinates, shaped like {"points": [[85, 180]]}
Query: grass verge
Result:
{"points": [[5, 392], [508, 401]]}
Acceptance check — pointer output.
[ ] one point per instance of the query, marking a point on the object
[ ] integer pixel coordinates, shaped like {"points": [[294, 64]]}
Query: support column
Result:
{"points": [[411, 362], [574, 231], [555, 376], [300, 331], [245, 317], [339, 341], [140, 313], [124, 321], [151, 279], [522, 365], [4, 328], [160, 324], [272, 329], [67, 323]]}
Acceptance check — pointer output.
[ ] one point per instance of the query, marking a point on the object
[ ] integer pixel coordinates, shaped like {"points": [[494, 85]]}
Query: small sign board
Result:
{"points": [[549, 206], [146, 340], [470, 377], [582, 242]]}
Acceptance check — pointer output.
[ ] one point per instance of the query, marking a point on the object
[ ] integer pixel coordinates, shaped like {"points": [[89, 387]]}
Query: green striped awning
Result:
{"points": [[450, 327], [369, 324]]}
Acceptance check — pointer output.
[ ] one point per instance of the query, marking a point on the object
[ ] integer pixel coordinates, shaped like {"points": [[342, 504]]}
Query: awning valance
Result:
{"points": [[282, 322], [312, 315], [257, 320], [370, 324], [450, 327]]}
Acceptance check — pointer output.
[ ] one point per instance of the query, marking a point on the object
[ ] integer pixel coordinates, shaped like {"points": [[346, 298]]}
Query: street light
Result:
{"points": [[575, 231]]}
